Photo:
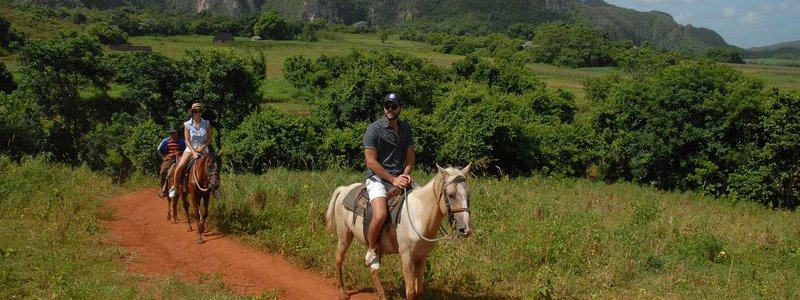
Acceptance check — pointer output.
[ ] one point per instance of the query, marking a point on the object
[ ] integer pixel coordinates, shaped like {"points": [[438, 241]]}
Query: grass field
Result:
{"points": [[566, 238]]}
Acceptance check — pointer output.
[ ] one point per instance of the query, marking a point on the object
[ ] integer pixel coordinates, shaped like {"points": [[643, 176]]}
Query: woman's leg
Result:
{"points": [[179, 172]]}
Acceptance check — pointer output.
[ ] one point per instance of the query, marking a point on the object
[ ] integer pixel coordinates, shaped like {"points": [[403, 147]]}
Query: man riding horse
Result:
{"points": [[169, 149], [389, 153]]}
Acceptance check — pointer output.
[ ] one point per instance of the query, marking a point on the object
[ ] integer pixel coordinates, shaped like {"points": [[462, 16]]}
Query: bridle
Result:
{"points": [[212, 173], [450, 211]]}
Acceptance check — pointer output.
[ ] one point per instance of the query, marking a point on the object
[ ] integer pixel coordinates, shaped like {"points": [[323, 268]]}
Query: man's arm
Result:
{"points": [[160, 149], [371, 156]]}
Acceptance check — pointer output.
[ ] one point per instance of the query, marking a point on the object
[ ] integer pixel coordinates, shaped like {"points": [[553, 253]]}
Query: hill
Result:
{"points": [[470, 17], [785, 51]]}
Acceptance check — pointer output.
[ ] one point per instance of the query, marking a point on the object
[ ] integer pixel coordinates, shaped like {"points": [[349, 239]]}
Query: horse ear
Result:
{"points": [[465, 170], [441, 170]]}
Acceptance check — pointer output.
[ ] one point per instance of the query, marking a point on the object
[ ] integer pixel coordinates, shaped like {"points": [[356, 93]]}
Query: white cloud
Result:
{"points": [[729, 12], [751, 18], [766, 8]]}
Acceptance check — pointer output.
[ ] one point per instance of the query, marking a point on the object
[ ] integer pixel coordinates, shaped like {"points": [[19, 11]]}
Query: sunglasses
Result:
{"points": [[391, 106]]}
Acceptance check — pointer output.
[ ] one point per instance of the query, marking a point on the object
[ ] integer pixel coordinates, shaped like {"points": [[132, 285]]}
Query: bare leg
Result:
{"points": [[376, 225], [344, 243]]}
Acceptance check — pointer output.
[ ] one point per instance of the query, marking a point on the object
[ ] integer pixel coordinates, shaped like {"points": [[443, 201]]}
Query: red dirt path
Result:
{"points": [[162, 248]]}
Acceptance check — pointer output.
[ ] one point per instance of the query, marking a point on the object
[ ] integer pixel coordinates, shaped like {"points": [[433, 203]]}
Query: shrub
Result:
{"points": [[108, 34], [140, 143], [271, 138]]}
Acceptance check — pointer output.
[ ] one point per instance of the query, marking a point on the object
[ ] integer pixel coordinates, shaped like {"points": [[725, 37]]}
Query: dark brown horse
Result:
{"points": [[203, 178]]}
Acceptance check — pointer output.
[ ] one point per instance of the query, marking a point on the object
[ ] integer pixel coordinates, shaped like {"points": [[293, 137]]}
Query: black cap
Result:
{"points": [[392, 97]]}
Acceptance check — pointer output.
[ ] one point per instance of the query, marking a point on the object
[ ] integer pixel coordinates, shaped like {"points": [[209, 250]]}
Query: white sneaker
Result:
{"points": [[173, 192], [372, 260], [216, 194]]}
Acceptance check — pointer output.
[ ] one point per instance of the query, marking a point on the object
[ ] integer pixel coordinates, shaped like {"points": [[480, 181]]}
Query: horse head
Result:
{"points": [[454, 199]]}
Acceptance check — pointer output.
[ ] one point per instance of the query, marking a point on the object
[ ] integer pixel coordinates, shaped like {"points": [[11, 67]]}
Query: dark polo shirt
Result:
{"points": [[391, 148]]}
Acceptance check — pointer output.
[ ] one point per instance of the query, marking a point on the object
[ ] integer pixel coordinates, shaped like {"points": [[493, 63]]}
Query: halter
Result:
{"points": [[450, 212]]}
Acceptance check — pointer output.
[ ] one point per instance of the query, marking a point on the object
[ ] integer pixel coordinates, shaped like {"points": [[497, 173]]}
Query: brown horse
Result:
{"points": [[446, 195], [203, 177], [172, 204]]}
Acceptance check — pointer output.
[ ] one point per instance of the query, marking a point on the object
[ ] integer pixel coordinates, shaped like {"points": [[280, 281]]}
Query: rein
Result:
{"points": [[450, 212], [197, 182]]}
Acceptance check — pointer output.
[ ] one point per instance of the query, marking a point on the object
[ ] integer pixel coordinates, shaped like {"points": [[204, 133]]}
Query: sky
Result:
{"points": [[742, 23]]}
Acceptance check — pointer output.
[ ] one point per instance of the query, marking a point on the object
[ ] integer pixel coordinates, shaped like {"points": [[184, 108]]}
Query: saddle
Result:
{"points": [[357, 201]]}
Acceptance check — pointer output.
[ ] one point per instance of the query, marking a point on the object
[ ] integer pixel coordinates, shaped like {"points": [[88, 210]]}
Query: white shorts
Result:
{"points": [[375, 187], [187, 150]]}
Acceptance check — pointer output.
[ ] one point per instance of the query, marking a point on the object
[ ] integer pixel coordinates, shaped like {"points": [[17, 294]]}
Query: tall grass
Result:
{"points": [[539, 237], [53, 246]]}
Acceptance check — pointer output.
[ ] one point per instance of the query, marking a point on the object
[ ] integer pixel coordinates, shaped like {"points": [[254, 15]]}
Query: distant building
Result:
{"points": [[527, 45], [255, 38], [129, 48], [223, 38]]}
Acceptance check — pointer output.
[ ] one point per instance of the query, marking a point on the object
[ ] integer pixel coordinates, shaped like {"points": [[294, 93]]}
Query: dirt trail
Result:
{"points": [[162, 248]]}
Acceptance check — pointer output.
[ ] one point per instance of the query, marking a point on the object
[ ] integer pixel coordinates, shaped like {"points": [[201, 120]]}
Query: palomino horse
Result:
{"points": [[446, 195], [203, 178]]}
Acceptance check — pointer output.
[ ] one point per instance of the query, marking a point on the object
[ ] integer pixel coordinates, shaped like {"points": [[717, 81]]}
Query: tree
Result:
{"points": [[108, 34], [150, 81], [221, 80], [7, 84], [56, 71], [573, 45], [728, 55], [8, 36], [271, 25]]}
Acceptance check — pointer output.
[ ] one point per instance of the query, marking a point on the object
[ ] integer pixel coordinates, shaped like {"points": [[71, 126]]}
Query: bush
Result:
{"points": [[573, 45], [271, 138], [108, 34], [688, 127], [19, 127], [140, 144]]}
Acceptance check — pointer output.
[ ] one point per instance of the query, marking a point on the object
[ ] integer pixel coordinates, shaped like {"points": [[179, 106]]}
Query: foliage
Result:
{"points": [[139, 146], [221, 80], [644, 61], [270, 138], [728, 55], [19, 127], [352, 85], [9, 38], [688, 127], [108, 34], [7, 83], [150, 83], [271, 25], [573, 45], [56, 71]]}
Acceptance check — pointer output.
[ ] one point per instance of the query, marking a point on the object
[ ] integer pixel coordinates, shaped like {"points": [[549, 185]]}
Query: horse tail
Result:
{"points": [[330, 216]]}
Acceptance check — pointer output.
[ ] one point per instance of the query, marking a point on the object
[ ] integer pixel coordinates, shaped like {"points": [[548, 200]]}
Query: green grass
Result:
{"points": [[53, 246], [784, 78], [567, 238]]}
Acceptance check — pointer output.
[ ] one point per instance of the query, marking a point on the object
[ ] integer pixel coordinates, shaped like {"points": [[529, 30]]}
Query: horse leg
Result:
{"points": [[377, 282], [344, 242], [408, 273], [204, 209], [185, 200], [169, 203], [419, 267], [196, 206], [174, 203]]}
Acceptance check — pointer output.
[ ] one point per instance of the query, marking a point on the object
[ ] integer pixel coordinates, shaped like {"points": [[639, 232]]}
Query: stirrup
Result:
{"points": [[372, 260]]}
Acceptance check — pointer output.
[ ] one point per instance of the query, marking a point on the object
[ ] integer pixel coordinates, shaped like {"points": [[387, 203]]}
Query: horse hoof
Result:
{"points": [[199, 240], [343, 295]]}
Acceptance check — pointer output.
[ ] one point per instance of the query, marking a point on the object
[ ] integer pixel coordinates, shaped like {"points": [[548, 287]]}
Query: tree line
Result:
{"points": [[669, 122]]}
